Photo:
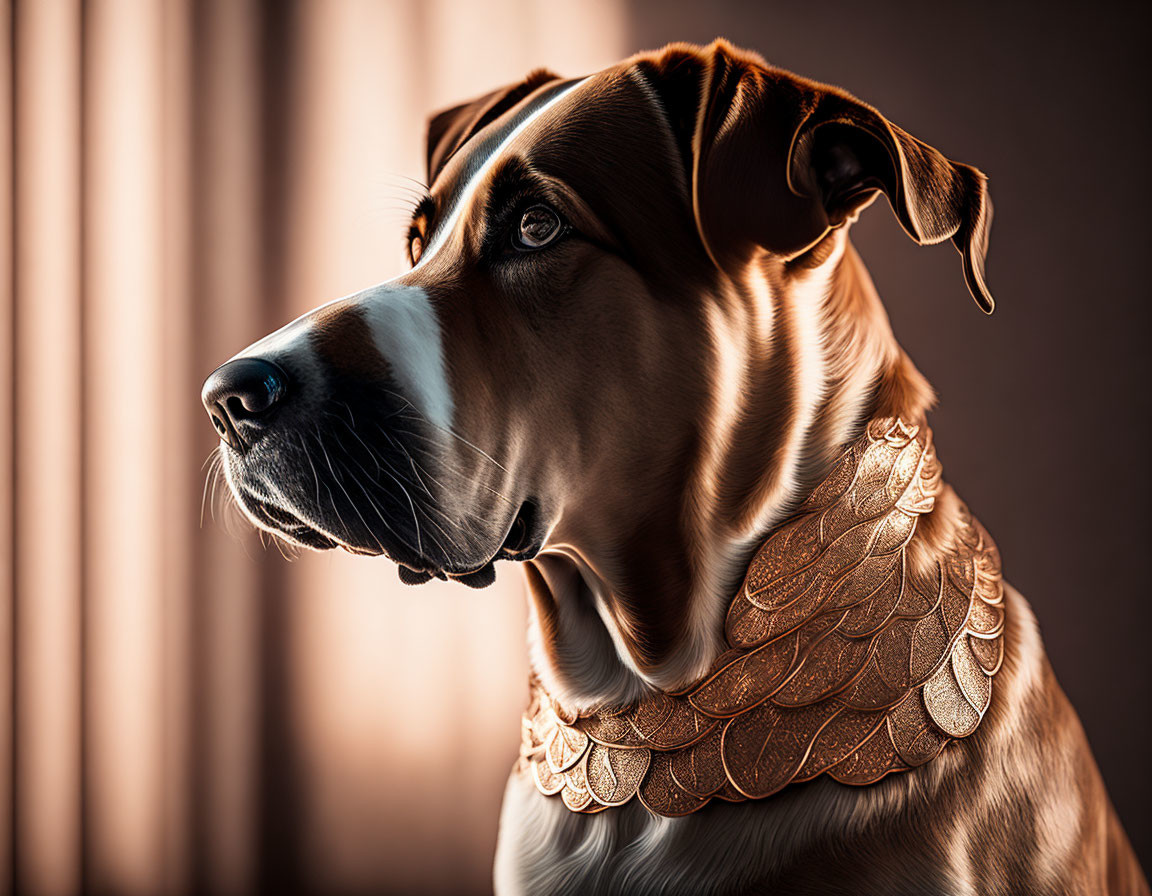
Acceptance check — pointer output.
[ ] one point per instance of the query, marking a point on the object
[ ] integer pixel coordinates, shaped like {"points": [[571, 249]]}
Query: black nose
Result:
{"points": [[239, 396]]}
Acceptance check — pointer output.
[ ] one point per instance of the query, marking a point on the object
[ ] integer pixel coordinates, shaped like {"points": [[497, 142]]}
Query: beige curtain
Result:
{"points": [[180, 709]]}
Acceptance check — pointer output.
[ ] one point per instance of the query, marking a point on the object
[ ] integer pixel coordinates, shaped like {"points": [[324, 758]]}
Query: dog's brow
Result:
{"points": [[490, 149], [512, 183], [426, 210]]}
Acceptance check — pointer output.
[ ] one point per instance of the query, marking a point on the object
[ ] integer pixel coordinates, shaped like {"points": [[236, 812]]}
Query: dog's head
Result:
{"points": [[615, 335]]}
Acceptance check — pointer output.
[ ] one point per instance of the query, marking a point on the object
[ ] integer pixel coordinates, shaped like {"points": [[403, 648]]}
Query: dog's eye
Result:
{"points": [[415, 248], [539, 226]]}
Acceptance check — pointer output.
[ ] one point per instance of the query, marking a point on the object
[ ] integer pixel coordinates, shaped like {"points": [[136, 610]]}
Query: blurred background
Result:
{"points": [[183, 711]]}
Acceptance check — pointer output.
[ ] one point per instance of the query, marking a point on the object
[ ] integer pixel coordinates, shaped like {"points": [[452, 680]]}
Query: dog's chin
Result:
{"points": [[520, 540]]}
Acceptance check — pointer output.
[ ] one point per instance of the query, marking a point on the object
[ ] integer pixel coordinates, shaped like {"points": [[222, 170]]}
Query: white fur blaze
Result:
{"points": [[407, 335]]}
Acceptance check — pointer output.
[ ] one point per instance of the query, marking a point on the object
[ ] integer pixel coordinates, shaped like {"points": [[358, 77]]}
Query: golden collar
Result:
{"points": [[846, 656]]}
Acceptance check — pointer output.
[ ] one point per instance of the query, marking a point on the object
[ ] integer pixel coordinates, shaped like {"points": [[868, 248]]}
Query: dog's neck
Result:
{"points": [[860, 644], [806, 358]]}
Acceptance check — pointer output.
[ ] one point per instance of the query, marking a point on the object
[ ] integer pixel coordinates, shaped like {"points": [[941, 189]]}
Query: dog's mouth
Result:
{"points": [[284, 524], [416, 564]]}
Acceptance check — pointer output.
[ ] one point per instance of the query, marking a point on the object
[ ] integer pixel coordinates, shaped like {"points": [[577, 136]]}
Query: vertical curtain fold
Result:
{"points": [[7, 468], [122, 444], [47, 535], [133, 635]]}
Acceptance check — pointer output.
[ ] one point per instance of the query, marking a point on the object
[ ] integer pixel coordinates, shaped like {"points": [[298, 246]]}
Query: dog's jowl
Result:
{"points": [[771, 648]]}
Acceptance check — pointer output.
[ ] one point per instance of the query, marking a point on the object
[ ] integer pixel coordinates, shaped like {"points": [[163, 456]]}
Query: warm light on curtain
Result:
{"points": [[182, 710]]}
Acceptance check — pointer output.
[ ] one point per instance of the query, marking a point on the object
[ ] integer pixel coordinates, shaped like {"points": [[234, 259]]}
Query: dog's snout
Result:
{"points": [[240, 395]]}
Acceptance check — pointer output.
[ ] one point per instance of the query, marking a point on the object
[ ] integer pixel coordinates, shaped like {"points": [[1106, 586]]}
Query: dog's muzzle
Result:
{"points": [[322, 447]]}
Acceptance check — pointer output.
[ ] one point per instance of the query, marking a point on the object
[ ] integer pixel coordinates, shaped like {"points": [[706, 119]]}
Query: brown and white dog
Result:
{"points": [[633, 338]]}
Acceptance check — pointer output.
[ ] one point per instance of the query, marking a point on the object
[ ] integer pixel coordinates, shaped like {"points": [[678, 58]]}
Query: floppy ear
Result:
{"points": [[777, 160], [452, 128], [850, 150]]}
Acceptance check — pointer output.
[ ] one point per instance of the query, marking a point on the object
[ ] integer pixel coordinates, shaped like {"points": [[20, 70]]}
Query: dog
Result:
{"points": [[637, 353]]}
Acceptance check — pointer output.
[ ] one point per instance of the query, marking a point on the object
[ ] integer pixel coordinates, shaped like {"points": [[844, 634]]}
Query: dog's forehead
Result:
{"points": [[516, 128], [573, 103], [590, 133]]}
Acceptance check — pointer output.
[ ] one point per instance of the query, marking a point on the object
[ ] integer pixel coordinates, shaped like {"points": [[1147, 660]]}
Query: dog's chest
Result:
{"points": [[545, 848]]}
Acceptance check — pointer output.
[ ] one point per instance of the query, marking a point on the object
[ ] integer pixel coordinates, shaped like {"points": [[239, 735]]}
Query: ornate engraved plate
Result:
{"points": [[847, 656], [614, 775]]}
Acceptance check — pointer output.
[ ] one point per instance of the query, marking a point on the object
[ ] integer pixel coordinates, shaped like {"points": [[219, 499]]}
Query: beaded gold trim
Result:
{"points": [[843, 659]]}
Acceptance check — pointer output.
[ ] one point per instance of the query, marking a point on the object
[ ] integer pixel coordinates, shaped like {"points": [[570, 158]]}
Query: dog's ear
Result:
{"points": [[452, 128], [845, 151], [777, 160]]}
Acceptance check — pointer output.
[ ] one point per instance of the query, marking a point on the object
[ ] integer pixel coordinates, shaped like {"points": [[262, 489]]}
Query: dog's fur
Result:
{"points": [[629, 411]]}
